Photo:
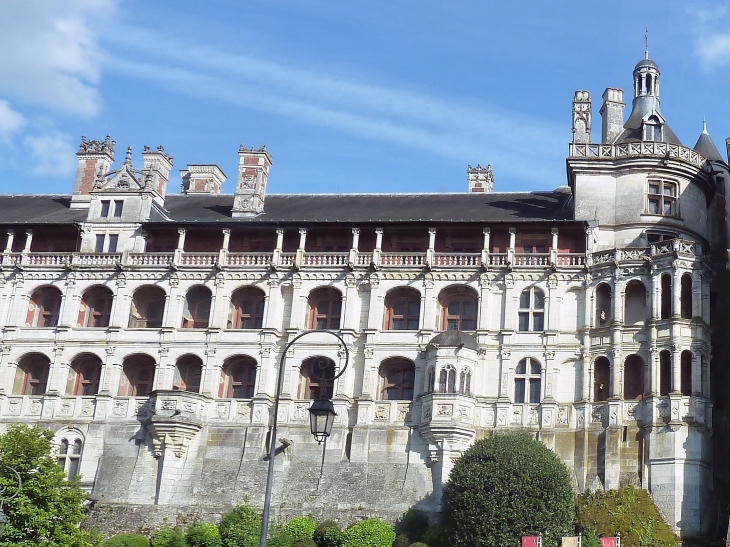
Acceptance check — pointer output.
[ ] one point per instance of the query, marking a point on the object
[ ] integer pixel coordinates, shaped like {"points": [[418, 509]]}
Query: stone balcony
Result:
{"points": [[636, 150]]}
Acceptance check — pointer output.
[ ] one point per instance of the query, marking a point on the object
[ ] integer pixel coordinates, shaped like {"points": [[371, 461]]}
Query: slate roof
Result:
{"points": [[319, 208], [642, 107], [707, 148], [455, 339]]}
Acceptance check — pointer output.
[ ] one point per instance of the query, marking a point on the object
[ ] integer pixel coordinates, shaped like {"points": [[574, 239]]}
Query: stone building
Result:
{"points": [[146, 328]]}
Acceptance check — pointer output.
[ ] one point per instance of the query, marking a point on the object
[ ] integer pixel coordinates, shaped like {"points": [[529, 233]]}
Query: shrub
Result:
{"points": [[127, 540], [303, 542], [278, 537], [507, 486], [628, 511], [590, 539], [436, 536], [413, 523], [328, 534], [203, 535], [369, 533], [167, 537], [240, 527], [300, 527], [401, 540]]}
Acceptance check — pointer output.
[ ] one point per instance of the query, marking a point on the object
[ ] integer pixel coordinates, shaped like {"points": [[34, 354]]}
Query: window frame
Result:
{"points": [[531, 311], [181, 373], [332, 316], [42, 313], [257, 298], [67, 457], [460, 298], [227, 388], [407, 297], [192, 308], [527, 379], [660, 200], [82, 381], [311, 389], [401, 367], [131, 384]]}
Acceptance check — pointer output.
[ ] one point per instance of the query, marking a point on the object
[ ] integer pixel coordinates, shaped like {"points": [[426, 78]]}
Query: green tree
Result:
{"points": [[328, 534], [202, 534], [168, 537], [49, 508], [127, 540], [507, 486], [240, 527]]}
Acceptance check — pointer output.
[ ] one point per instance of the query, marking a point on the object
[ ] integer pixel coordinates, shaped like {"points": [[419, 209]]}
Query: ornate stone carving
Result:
{"points": [[562, 417], [382, 412], [444, 410], [404, 412]]}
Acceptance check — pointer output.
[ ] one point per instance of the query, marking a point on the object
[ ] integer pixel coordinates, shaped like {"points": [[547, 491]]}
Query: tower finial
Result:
{"points": [[704, 125], [646, 43]]}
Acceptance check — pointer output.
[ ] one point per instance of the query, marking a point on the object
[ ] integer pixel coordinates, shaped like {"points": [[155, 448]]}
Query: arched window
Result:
{"points": [[665, 373], [148, 307], [634, 378], [396, 380], [666, 301], [188, 372], [68, 455], [686, 296], [325, 307], [247, 309], [601, 379], [465, 382], [316, 378], [31, 376], [238, 378], [603, 305], [43, 307], [138, 373], [532, 310], [83, 375], [458, 309], [197, 308], [686, 373], [402, 309], [528, 385], [635, 305], [447, 379], [96, 307]]}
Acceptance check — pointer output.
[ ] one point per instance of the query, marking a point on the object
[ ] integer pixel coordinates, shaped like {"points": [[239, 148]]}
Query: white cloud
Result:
{"points": [[712, 44], [50, 53], [10, 120], [53, 154]]}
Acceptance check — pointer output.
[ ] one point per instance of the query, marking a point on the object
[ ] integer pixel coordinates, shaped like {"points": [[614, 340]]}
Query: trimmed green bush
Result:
{"points": [[278, 537], [240, 527], [369, 533], [401, 540], [127, 540], [628, 511], [167, 537], [507, 486], [328, 534], [590, 539], [303, 542], [413, 523], [301, 527], [436, 536], [202, 534]]}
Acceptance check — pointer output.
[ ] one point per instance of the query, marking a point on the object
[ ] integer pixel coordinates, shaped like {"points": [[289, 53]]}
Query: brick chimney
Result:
{"points": [[202, 179], [612, 113], [480, 178], [156, 168], [95, 159], [253, 173]]}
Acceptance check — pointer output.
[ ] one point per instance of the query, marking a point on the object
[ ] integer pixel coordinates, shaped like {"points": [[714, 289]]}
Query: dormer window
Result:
{"points": [[653, 130], [113, 207], [662, 199]]}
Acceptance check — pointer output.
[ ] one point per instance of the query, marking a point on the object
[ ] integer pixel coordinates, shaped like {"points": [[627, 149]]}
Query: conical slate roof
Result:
{"points": [[706, 147]]}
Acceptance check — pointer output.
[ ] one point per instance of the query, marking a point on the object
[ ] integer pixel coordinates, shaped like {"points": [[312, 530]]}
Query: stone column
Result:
{"points": [[274, 303], [511, 250], [223, 254], [298, 305], [58, 373], [485, 247], [485, 291], [121, 304], [175, 303], [112, 373], [510, 312], [430, 318], [9, 242], [676, 368], [375, 315], [552, 314], [554, 251], [299, 258], [378, 246], [166, 370], [618, 301], [547, 376], [350, 309], [696, 294], [355, 245], [676, 293], [276, 258], [177, 259], [616, 372], [431, 252], [221, 303], [654, 369], [696, 372], [656, 296], [586, 374]]}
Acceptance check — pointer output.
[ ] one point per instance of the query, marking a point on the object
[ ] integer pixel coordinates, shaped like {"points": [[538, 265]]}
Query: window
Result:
{"points": [[188, 372], [402, 309], [316, 378], [118, 205], [601, 379], [633, 378], [527, 382], [31, 376], [247, 309], [106, 243], [603, 305], [115, 207], [105, 208], [83, 376], [238, 378], [532, 310], [458, 309], [99, 244], [447, 380], [635, 303], [666, 296], [69, 455], [653, 129], [43, 308], [138, 374], [197, 308], [686, 373], [396, 380], [96, 306], [686, 296], [113, 241], [325, 307], [148, 308], [465, 382], [662, 199], [665, 373]]}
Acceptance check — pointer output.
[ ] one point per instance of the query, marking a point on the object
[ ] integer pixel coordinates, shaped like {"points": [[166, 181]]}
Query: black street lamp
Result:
{"points": [[3, 499], [321, 415]]}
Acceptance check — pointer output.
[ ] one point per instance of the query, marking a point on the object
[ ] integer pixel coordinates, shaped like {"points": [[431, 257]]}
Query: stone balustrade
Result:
{"points": [[636, 149]]}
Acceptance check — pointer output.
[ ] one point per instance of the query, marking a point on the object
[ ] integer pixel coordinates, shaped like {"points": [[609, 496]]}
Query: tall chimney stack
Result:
{"points": [[253, 174], [95, 159], [582, 117], [612, 113]]}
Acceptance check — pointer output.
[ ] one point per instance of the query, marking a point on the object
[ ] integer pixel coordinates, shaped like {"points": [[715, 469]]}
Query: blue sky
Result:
{"points": [[377, 96]]}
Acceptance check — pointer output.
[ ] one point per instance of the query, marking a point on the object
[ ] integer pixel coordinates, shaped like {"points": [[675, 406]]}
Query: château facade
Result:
{"points": [[146, 328]]}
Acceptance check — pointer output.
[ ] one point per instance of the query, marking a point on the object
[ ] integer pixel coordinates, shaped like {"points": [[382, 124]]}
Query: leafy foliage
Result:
{"points": [[436, 536], [369, 533], [167, 537], [301, 527], [49, 508], [628, 511], [418, 544], [127, 540], [303, 542], [507, 486], [202, 534], [240, 527], [401, 540], [413, 523], [590, 539], [279, 537], [328, 534]]}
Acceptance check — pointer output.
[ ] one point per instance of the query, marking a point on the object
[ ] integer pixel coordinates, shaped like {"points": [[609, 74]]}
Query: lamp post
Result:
{"points": [[3, 499], [321, 414]]}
